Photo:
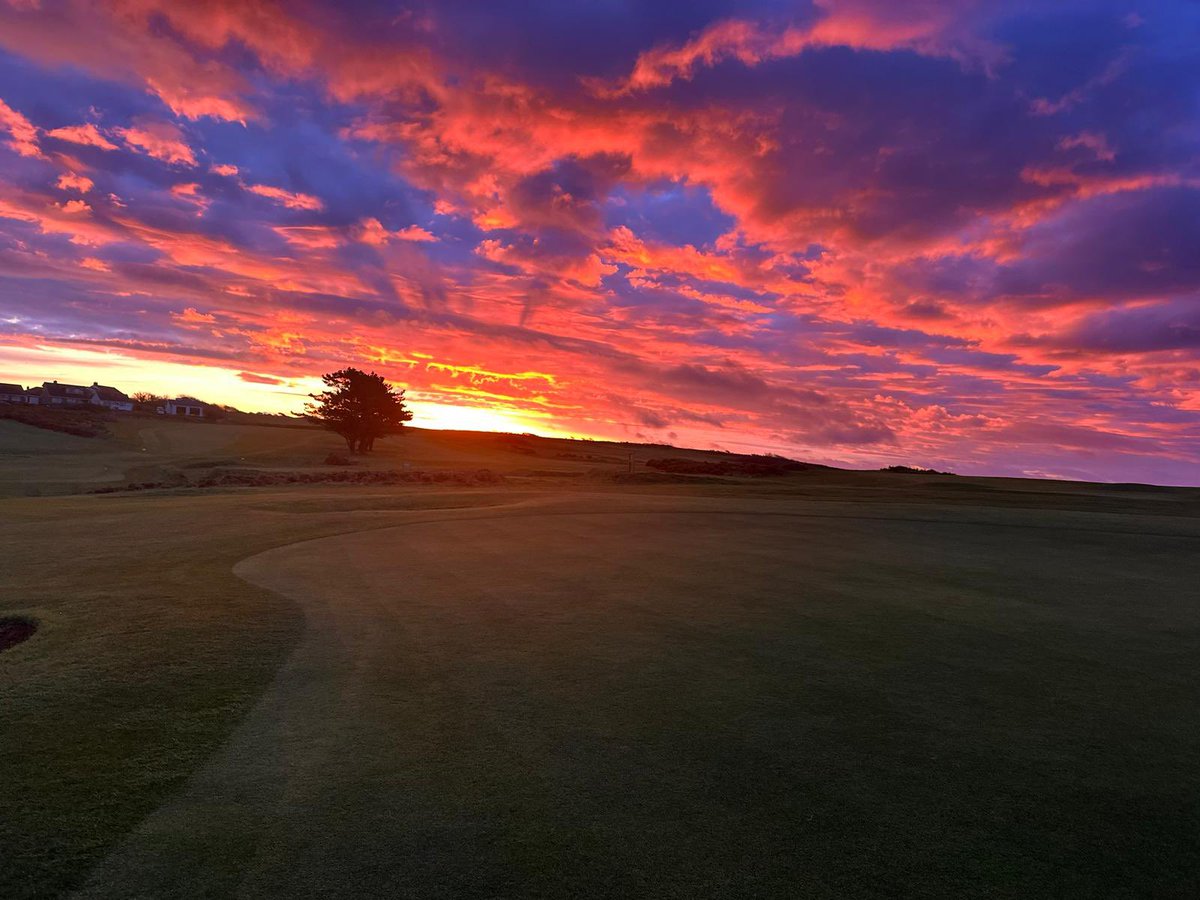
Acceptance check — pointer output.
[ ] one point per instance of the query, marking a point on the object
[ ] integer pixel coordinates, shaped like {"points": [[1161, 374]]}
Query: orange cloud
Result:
{"points": [[161, 140], [192, 316], [70, 181], [371, 231], [67, 219], [311, 237], [23, 133], [188, 103], [847, 23], [290, 199], [126, 47], [87, 134]]}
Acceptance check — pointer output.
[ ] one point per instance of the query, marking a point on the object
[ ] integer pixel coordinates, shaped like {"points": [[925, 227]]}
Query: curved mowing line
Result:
{"points": [[14, 630], [233, 768]]}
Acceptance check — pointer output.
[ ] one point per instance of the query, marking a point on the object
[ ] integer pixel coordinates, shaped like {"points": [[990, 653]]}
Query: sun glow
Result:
{"points": [[254, 393], [476, 418]]}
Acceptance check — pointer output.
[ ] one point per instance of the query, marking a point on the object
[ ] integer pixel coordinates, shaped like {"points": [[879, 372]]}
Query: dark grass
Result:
{"points": [[795, 702], [870, 704], [150, 650], [15, 630]]}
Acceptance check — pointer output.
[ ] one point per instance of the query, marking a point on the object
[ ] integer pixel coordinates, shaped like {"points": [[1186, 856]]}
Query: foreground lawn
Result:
{"points": [[149, 652], [634, 695]]}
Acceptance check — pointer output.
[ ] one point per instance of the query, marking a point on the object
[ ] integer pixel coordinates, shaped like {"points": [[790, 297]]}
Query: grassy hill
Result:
{"points": [[140, 449]]}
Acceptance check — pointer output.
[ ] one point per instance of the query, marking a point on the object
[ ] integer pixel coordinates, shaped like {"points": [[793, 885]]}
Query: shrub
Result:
{"points": [[745, 466], [79, 422]]}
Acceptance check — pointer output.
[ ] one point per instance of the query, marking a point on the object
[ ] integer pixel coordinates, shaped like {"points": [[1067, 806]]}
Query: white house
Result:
{"points": [[110, 398], [184, 406]]}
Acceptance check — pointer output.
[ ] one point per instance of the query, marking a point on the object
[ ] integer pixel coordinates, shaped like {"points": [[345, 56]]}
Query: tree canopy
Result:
{"points": [[360, 406]]}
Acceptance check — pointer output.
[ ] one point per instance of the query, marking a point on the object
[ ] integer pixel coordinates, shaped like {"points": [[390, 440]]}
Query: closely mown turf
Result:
{"points": [[829, 685], [149, 651]]}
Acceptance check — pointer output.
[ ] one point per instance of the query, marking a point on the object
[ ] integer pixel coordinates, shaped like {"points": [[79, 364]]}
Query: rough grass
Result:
{"points": [[81, 422]]}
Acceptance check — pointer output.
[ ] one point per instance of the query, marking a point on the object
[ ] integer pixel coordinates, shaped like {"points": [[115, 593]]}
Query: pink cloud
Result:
{"points": [[87, 135], [160, 140], [290, 199], [67, 219], [1089, 140], [310, 237], [23, 135], [70, 181], [927, 26], [371, 231], [125, 47]]}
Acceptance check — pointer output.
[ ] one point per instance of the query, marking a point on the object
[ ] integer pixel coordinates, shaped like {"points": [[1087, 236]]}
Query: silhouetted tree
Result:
{"points": [[359, 406]]}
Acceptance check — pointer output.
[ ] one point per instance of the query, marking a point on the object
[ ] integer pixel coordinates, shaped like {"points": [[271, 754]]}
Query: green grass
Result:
{"points": [[149, 651], [840, 685], [726, 703]]}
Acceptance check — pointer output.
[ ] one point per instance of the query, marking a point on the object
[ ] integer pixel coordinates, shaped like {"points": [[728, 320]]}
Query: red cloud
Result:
{"points": [[252, 378]]}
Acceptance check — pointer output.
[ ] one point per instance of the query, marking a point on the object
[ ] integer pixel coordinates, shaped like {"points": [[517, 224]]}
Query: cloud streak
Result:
{"points": [[846, 232]]}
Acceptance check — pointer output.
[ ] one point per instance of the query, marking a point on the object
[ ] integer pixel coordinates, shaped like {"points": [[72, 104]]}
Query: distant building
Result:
{"points": [[12, 393], [55, 394], [184, 406], [110, 398]]}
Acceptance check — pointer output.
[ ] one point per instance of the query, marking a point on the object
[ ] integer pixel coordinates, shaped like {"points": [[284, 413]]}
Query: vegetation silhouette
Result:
{"points": [[14, 630], [360, 406]]}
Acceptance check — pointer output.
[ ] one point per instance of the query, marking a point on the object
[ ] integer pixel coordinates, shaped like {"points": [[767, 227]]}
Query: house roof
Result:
{"points": [[11, 389], [186, 401], [110, 394], [54, 389]]}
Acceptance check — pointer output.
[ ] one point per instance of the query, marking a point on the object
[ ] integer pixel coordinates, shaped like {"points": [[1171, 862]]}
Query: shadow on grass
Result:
{"points": [[14, 630]]}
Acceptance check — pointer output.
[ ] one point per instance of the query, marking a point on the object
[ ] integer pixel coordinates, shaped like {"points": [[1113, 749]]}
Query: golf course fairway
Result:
{"points": [[671, 695]]}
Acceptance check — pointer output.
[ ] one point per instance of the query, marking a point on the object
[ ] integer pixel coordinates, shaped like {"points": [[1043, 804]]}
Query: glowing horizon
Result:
{"points": [[955, 235]]}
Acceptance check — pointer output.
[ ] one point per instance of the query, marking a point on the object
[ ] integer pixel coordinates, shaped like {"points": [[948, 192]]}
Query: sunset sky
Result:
{"points": [[955, 234]]}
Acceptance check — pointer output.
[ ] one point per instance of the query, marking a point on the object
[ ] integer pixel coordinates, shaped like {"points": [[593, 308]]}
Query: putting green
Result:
{"points": [[657, 696]]}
